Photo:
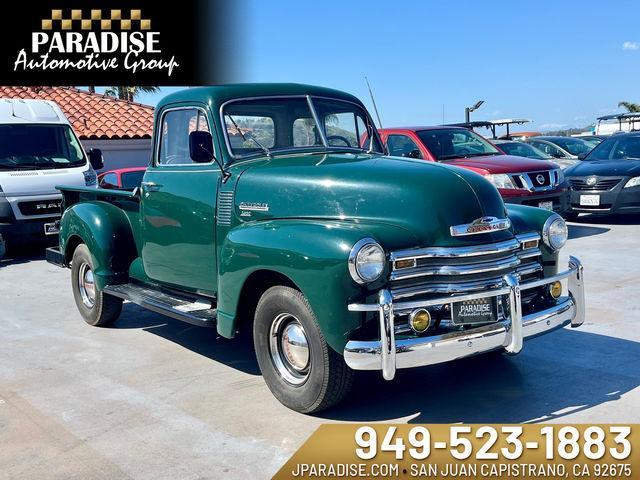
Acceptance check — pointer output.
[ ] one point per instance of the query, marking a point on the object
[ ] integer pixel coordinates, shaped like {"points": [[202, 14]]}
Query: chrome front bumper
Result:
{"points": [[388, 354]]}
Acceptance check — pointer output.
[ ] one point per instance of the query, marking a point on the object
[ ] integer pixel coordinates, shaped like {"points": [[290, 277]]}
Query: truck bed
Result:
{"points": [[73, 195]]}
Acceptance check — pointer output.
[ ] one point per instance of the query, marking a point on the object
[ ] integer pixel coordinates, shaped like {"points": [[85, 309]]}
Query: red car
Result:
{"points": [[122, 178], [526, 181]]}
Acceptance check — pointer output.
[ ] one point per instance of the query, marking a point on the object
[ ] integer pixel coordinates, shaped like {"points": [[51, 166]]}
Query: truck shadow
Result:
{"points": [[580, 231], [565, 372], [627, 219], [236, 353]]}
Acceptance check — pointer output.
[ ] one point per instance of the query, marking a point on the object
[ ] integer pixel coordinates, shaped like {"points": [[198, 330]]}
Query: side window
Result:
{"points": [[402, 146], [110, 180], [174, 135], [305, 133]]}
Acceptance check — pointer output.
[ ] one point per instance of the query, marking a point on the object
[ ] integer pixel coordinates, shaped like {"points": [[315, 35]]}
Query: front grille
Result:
{"points": [[40, 207], [437, 271], [535, 181], [422, 274], [601, 184]]}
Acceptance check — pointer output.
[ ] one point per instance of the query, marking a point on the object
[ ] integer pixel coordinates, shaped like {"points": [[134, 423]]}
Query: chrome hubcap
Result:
{"points": [[289, 349], [86, 285]]}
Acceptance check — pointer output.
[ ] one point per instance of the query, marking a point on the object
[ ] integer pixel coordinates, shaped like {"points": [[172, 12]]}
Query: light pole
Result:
{"points": [[468, 110]]}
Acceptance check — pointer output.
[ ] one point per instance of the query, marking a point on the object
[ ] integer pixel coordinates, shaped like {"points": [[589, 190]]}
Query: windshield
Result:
{"points": [[445, 143], [574, 146], [523, 150], [31, 147], [617, 148], [276, 124]]}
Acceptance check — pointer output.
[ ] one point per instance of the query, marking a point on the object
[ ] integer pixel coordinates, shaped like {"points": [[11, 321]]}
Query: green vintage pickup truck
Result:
{"points": [[272, 208]]}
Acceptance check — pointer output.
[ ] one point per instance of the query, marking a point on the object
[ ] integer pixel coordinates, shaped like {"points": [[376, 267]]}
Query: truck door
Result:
{"points": [[178, 205]]}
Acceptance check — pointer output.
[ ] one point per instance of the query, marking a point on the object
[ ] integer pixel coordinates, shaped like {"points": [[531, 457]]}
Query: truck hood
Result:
{"points": [[15, 183], [421, 199], [604, 168], [502, 164]]}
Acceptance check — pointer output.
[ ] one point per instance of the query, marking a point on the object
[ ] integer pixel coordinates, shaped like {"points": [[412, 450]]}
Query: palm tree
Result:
{"points": [[630, 107], [129, 93]]}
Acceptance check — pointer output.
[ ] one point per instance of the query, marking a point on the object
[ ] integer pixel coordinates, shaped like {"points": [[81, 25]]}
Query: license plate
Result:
{"points": [[590, 200], [481, 310], [546, 205], [52, 228]]}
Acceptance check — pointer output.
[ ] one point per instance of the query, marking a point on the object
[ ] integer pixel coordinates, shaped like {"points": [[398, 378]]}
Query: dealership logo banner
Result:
{"points": [[531, 451], [69, 42]]}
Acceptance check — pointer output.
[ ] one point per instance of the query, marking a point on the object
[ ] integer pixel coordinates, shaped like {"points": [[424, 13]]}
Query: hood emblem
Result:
{"points": [[591, 181], [480, 225], [540, 179], [248, 207]]}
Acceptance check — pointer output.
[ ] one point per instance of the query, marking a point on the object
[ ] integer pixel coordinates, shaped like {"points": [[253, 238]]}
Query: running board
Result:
{"points": [[194, 311]]}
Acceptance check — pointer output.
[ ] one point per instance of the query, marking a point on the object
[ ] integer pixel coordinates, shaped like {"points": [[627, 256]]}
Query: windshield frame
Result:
{"points": [[69, 128], [325, 147]]}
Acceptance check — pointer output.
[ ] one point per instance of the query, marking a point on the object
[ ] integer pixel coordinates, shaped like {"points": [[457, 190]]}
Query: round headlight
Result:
{"points": [[555, 232], [366, 261]]}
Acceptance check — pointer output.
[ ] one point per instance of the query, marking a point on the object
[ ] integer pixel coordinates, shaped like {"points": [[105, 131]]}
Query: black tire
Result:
{"points": [[327, 378], [570, 216], [105, 309]]}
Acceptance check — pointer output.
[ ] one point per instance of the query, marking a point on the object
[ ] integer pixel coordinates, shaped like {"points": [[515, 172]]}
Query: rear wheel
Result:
{"points": [[300, 369], [97, 308]]}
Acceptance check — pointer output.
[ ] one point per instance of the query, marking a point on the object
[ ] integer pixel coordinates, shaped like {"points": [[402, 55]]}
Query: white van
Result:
{"points": [[38, 150]]}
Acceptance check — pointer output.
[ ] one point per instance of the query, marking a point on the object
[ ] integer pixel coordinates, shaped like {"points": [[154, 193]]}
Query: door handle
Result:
{"points": [[150, 186]]}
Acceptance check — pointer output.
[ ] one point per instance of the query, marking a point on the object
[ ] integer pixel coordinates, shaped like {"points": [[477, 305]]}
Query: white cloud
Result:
{"points": [[631, 45]]}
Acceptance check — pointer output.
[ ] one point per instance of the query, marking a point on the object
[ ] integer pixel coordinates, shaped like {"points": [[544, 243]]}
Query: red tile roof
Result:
{"points": [[93, 115]]}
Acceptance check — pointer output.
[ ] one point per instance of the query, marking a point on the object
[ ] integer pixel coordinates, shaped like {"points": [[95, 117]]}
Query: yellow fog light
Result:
{"points": [[420, 320], [555, 289]]}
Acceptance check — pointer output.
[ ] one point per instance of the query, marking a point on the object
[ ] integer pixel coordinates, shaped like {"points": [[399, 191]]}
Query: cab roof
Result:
{"points": [[219, 94], [25, 111]]}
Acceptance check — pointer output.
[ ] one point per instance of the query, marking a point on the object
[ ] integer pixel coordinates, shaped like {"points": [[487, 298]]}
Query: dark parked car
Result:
{"points": [[607, 180]]}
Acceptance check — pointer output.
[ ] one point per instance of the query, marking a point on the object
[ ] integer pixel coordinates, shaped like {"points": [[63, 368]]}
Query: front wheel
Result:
{"points": [[300, 369], [96, 307]]}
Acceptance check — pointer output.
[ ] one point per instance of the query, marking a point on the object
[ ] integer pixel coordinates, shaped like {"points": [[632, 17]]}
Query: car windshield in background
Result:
{"points": [[617, 148], [269, 125], [445, 143], [574, 146], [520, 149], [32, 147]]}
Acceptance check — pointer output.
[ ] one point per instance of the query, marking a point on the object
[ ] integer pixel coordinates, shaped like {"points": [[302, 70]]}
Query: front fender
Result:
{"points": [[106, 231], [531, 219], [313, 254]]}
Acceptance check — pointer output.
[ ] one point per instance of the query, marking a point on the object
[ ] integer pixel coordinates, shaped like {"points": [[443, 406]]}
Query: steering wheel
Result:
{"points": [[464, 151], [339, 137]]}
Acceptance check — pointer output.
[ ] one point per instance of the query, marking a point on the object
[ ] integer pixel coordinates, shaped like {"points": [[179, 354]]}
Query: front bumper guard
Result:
{"points": [[389, 354]]}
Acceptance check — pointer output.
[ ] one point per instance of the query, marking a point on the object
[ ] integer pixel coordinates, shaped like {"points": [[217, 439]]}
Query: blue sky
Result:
{"points": [[560, 63]]}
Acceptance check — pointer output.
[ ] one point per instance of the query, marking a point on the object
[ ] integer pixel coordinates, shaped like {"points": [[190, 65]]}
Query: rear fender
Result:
{"points": [[106, 231]]}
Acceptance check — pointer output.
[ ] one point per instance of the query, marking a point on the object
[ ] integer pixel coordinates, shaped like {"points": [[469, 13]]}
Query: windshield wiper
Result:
{"points": [[251, 137]]}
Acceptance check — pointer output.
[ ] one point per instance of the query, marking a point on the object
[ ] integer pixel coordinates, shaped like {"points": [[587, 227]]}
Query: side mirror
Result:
{"points": [[95, 158], [201, 147], [582, 156]]}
